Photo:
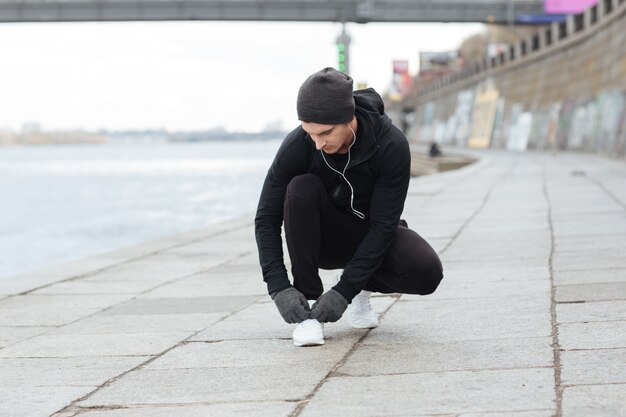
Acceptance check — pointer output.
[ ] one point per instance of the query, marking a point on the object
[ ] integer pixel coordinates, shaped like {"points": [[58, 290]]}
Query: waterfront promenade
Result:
{"points": [[529, 321]]}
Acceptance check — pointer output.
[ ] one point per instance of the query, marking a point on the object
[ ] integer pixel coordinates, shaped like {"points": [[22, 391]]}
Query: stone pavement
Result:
{"points": [[529, 321]]}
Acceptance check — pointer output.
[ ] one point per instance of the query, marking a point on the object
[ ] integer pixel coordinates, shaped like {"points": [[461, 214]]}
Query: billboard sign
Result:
{"points": [[402, 81], [437, 61], [567, 6], [400, 67]]}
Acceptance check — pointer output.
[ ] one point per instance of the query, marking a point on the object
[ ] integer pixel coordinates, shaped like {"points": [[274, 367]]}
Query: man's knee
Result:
{"points": [[305, 185], [420, 264], [434, 277], [429, 273]]}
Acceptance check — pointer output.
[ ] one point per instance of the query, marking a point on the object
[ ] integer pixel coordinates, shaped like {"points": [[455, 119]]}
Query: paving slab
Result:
{"points": [[83, 286], [186, 305], [248, 409], [591, 311], [467, 319], [494, 251], [257, 321], [594, 400], [608, 225], [591, 292], [583, 244], [154, 269], [53, 310], [440, 392], [251, 260], [510, 262], [138, 323], [512, 413], [531, 221], [201, 261], [73, 345], [590, 276], [415, 356], [217, 250], [531, 224], [211, 283], [597, 252], [482, 289], [14, 334], [598, 263], [65, 270], [38, 401], [464, 273], [591, 202], [585, 367], [592, 335], [206, 385], [25, 283], [243, 354], [59, 372]]}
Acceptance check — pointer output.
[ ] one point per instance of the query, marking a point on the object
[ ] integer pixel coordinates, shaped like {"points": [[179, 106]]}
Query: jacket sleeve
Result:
{"points": [[389, 194], [269, 215]]}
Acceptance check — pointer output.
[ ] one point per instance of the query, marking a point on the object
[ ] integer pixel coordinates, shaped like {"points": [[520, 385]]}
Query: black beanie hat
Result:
{"points": [[326, 98]]}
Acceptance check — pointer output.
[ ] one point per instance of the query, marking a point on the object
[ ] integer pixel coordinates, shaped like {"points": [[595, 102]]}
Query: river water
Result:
{"points": [[65, 202]]}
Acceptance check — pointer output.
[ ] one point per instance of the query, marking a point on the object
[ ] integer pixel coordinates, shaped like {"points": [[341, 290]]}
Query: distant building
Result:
{"points": [[7, 137], [30, 128], [275, 126]]}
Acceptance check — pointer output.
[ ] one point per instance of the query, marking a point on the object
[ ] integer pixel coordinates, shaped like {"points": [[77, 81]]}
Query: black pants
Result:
{"points": [[319, 235]]}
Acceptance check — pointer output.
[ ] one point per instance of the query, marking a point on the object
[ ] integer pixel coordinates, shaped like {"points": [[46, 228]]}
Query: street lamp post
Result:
{"points": [[343, 51]]}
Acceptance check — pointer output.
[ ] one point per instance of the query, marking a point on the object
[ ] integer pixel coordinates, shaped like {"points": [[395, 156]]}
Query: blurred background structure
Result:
{"points": [[562, 86]]}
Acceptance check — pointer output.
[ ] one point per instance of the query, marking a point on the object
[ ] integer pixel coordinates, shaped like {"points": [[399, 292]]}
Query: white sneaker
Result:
{"points": [[310, 332], [360, 314]]}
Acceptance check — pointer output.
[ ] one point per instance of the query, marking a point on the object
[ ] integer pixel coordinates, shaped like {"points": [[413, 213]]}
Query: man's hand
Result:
{"points": [[329, 307], [292, 305]]}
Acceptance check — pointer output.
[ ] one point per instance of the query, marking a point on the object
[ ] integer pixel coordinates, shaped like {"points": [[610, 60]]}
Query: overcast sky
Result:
{"points": [[189, 75]]}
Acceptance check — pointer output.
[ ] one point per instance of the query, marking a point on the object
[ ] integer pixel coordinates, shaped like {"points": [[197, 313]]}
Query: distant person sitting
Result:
{"points": [[339, 182], [434, 150]]}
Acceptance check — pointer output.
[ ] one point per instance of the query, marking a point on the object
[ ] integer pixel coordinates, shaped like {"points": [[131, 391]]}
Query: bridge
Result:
{"points": [[359, 11]]}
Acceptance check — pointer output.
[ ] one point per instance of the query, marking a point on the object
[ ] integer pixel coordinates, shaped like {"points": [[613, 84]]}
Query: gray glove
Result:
{"points": [[292, 305], [329, 307]]}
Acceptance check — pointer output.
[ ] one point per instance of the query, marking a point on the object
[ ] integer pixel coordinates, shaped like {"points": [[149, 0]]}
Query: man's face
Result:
{"points": [[329, 138]]}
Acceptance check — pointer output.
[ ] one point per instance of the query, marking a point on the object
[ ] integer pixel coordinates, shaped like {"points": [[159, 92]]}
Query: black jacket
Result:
{"points": [[379, 172]]}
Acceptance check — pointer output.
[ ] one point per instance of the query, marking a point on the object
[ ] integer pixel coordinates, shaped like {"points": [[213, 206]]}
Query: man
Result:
{"points": [[339, 182]]}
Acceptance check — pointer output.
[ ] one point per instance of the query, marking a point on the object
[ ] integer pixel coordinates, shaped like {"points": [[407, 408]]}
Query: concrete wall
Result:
{"points": [[562, 89]]}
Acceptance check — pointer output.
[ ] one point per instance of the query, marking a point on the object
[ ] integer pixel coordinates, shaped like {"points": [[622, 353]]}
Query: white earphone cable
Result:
{"points": [[343, 174]]}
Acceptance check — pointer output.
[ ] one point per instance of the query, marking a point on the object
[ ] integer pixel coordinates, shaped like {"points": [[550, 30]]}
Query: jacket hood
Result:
{"points": [[370, 105]]}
